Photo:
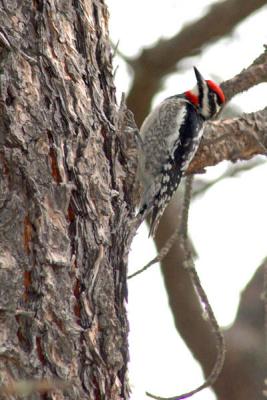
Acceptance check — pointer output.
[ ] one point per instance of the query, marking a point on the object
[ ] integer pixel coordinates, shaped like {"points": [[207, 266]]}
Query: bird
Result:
{"points": [[169, 138]]}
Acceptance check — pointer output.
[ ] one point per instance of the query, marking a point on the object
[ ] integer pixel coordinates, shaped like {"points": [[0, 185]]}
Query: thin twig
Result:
{"points": [[232, 171], [160, 256], [189, 265], [116, 51]]}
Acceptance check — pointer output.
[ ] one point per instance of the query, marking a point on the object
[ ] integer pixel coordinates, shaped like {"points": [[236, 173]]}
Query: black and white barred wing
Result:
{"points": [[160, 136], [181, 129], [170, 179]]}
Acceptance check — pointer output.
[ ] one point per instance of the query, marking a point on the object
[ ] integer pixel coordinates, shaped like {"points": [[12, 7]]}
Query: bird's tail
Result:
{"points": [[163, 197], [155, 212], [158, 196]]}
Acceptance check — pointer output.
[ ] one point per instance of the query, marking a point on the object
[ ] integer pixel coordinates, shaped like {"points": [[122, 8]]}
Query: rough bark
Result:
{"points": [[63, 215]]}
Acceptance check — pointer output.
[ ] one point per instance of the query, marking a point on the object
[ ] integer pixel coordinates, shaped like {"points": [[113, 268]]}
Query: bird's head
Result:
{"points": [[207, 96]]}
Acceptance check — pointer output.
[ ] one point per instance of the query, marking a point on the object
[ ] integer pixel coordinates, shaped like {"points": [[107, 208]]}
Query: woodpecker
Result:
{"points": [[170, 136]]}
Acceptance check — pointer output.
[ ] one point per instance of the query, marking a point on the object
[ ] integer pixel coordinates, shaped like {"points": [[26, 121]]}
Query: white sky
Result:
{"points": [[227, 224]]}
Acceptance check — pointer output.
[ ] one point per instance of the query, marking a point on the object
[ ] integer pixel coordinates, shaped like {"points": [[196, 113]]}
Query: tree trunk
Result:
{"points": [[64, 202]]}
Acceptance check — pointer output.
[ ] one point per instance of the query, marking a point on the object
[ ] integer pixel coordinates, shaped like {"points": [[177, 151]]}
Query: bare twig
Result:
{"points": [[232, 171], [253, 75], [116, 51], [160, 256]]}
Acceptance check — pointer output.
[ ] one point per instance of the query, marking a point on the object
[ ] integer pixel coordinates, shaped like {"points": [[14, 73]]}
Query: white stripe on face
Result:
{"points": [[205, 110]]}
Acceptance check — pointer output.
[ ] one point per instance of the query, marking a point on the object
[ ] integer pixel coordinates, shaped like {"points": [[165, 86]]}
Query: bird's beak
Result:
{"points": [[198, 76]]}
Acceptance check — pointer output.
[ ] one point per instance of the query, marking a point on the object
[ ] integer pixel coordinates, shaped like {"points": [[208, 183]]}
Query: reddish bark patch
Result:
{"points": [[77, 289], [27, 280], [54, 166], [71, 214], [77, 292], [59, 324], [27, 234], [40, 350]]}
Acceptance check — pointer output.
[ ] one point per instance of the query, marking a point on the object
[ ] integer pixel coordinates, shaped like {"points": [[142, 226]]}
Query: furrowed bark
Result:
{"points": [[64, 202]]}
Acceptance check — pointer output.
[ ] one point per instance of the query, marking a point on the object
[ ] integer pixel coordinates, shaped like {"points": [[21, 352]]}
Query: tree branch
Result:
{"points": [[245, 366], [237, 138], [232, 171], [158, 61], [253, 75], [203, 299], [232, 139]]}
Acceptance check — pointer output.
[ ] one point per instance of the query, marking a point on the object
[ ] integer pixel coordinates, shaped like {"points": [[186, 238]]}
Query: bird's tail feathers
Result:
{"points": [[158, 196]]}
